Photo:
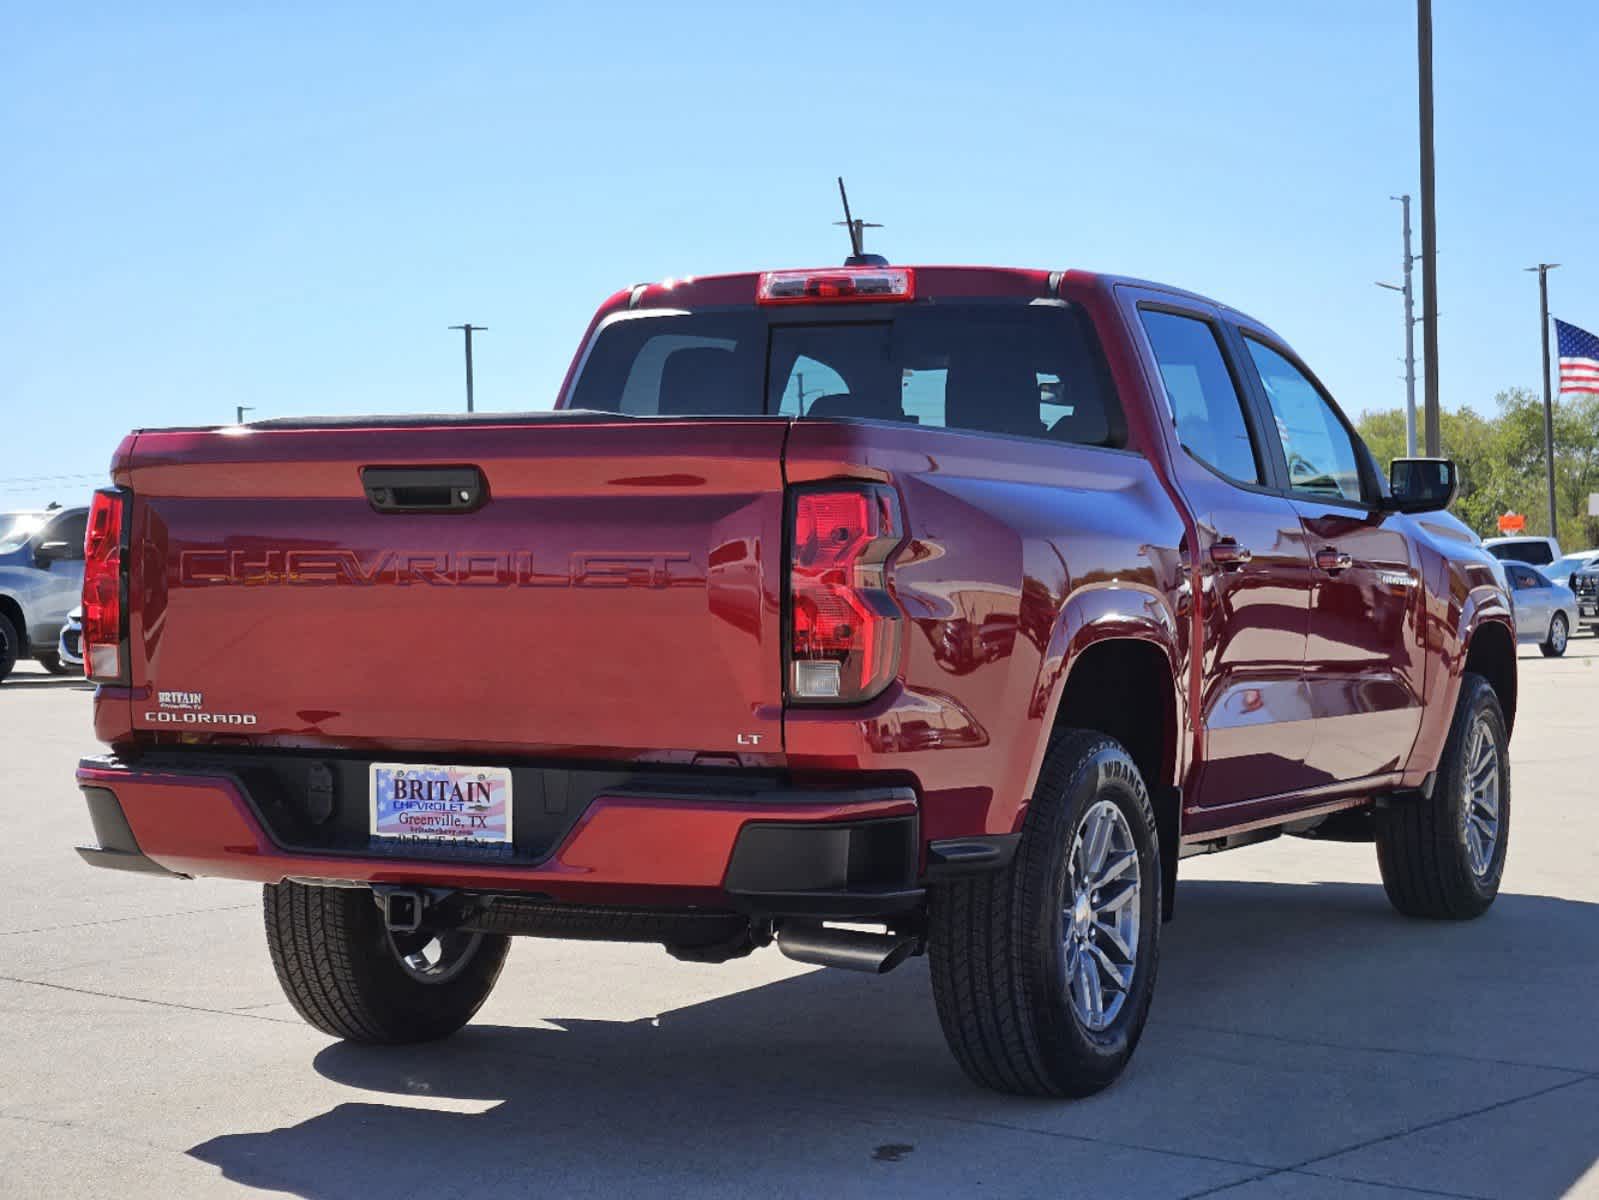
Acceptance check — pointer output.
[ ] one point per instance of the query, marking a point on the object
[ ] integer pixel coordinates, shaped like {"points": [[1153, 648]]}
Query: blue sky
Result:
{"points": [[285, 208]]}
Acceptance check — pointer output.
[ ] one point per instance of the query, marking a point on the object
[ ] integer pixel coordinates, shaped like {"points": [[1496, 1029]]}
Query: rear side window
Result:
{"points": [[1205, 405], [1031, 370], [68, 528]]}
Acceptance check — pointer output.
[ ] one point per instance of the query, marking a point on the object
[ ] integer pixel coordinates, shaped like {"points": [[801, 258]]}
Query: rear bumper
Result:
{"points": [[836, 852]]}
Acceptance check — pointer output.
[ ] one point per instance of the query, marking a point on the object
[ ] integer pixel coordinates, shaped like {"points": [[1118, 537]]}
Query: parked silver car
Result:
{"points": [[41, 580], [1546, 612]]}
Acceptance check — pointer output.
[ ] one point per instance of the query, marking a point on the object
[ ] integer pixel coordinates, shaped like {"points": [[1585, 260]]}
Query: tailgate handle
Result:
{"points": [[424, 489]]}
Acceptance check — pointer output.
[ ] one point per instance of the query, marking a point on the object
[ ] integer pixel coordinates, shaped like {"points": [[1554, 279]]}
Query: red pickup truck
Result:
{"points": [[873, 611]]}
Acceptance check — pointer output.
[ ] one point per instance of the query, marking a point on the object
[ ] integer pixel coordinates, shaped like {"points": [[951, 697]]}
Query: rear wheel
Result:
{"points": [[1043, 972], [1443, 857], [9, 645], [1559, 632], [346, 974]]}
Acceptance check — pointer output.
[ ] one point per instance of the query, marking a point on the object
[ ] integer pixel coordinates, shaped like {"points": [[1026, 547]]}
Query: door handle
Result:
{"points": [[1227, 552], [1330, 559]]}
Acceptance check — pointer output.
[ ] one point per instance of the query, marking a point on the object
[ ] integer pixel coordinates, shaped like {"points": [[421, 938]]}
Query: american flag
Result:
{"points": [[1579, 360]]}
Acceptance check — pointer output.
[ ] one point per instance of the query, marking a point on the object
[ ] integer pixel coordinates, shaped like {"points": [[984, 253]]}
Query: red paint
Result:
{"points": [[620, 597]]}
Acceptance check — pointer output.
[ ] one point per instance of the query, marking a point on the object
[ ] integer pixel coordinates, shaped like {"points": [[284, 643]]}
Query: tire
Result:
{"points": [[10, 644], [1429, 865], [343, 973], [1001, 947], [1559, 634], [51, 661]]}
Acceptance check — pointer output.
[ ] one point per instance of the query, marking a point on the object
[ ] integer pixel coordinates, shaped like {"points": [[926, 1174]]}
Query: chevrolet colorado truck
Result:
{"points": [[872, 611]]}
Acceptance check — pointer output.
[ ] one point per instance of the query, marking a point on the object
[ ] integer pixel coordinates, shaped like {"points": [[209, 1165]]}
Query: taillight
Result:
{"points": [[845, 628], [105, 594], [836, 285]]}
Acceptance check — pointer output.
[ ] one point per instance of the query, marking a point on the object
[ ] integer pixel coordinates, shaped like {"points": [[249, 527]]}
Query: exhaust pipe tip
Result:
{"points": [[848, 949]]}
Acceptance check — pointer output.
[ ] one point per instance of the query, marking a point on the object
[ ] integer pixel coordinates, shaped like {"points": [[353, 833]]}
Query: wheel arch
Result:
{"points": [[1491, 653], [1117, 669], [13, 611]]}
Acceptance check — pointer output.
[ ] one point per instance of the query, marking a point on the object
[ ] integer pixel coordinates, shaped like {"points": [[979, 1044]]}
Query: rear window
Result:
{"points": [[1031, 370], [1536, 552]]}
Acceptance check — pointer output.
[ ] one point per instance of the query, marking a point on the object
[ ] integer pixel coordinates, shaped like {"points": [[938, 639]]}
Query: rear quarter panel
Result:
{"points": [[1020, 554]]}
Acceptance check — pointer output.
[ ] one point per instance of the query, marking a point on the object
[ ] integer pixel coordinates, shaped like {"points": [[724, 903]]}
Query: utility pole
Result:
{"points": [[242, 409], [1429, 227], [1410, 335], [468, 329], [1543, 270]]}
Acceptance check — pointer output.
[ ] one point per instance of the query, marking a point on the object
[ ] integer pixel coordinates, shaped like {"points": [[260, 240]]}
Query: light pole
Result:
{"points": [[241, 410], [1410, 334], [1429, 226], [469, 329], [1543, 270]]}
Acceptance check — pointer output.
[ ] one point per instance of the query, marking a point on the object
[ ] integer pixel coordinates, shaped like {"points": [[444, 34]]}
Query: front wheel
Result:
{"points": [[346, 974], [1043, 971], [1559, 632], [51, 661], [1443, 856]]}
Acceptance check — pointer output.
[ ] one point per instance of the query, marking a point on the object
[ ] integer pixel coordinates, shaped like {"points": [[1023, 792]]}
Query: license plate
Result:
{"points": [[1589, 610], [421, 803]]}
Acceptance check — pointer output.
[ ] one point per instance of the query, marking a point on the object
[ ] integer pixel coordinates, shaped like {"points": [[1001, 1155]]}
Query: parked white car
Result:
{"points": [[1546, 612]]}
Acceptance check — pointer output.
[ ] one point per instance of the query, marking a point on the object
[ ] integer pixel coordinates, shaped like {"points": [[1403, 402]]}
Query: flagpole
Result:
{"points": [[1543, 270]]}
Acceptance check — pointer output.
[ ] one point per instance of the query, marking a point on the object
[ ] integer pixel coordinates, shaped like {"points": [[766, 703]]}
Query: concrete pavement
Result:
{"points": [[1305, 1043]]}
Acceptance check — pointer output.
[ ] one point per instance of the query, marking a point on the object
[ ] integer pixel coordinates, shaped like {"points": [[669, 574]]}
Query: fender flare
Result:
{"points": [[1094, 614]]}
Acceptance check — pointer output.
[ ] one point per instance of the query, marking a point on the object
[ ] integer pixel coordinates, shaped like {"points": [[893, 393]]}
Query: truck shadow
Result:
{"points": [[1292, 1022]]}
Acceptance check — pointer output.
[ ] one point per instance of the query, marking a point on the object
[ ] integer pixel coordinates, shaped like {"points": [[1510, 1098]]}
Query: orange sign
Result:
{"points": [[1512, 523]]}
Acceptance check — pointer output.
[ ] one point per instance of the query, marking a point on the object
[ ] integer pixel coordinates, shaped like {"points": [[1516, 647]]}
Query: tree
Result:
{"points": [[1501, 461]]}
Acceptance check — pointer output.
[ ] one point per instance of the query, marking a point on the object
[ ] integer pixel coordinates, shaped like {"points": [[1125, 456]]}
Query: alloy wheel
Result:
{"points": [[1479, 806], [1100, 915]]}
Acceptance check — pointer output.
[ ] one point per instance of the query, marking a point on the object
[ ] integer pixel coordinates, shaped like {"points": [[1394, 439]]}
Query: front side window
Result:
{"points": [[17, 528], [1204, 403], [1321, 453], [1523, 578]]}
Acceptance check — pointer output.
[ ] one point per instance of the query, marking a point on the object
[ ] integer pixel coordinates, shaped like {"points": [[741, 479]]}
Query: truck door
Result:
{"points": [[1364, 665], [1250, 571]]}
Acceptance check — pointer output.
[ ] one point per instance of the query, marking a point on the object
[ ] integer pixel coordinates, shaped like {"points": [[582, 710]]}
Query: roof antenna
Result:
{"points": [[858, 256]]}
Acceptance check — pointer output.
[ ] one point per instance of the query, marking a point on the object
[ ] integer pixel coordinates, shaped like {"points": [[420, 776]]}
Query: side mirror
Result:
{"points": [[49, 552], [1422, 484]]}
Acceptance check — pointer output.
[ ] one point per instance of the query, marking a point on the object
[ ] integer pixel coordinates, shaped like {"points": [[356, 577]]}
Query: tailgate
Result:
{"points": [[616, 592]]}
